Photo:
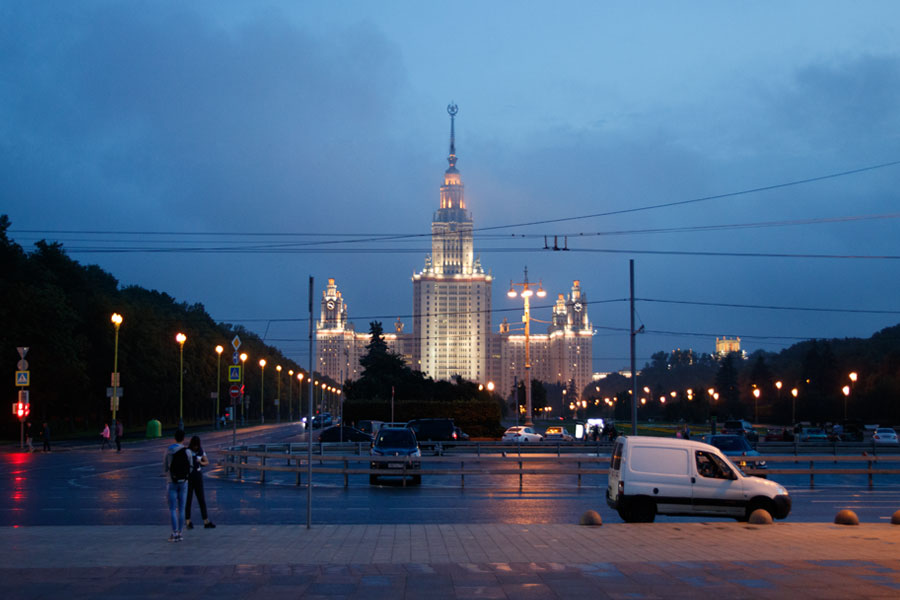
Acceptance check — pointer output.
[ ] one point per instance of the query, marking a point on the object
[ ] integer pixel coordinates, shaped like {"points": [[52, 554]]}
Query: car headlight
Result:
{"points": [[417, 452], [781, 490]]}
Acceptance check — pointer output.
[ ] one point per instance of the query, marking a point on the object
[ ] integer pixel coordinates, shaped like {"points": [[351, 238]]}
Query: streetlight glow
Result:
{"points": [[181, 339]]}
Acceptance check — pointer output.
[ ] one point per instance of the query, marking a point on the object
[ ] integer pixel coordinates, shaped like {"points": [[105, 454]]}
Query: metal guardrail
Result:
{"points": [[263, 458]]}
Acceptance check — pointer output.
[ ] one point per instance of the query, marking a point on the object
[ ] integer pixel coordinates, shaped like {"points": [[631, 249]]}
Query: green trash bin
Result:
{"points": [[154, 429]]}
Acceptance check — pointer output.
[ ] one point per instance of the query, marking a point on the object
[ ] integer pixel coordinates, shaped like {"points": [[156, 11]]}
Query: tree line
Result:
{"points": [[62, 311]]}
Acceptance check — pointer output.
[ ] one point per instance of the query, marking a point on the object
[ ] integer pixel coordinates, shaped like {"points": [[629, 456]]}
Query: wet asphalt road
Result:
{"points": [[81, 485]]}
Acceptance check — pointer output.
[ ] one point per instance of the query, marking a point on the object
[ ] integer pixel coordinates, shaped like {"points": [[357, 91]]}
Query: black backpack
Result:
{"points": [[180, 467]]}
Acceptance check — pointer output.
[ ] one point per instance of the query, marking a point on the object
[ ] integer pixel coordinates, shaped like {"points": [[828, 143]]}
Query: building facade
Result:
{"points": [[451, 329]]}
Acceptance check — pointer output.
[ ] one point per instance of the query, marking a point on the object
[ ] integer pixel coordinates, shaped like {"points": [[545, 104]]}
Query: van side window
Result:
{"points": [[711, 466]]}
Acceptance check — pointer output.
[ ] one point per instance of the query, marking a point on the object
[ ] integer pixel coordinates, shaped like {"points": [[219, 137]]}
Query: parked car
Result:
{"points": [[344, 434], [737, 448], [401, 444], [370, 427], [885, 435], [433, 430], [522, 434], [558, 433], [813, 434], [656, 475], [740, 427], [322, 420], [779, 434]]}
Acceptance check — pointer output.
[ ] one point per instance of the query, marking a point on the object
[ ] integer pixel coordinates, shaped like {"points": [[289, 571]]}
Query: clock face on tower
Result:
{"points": [[578, 307], [329, 305]]}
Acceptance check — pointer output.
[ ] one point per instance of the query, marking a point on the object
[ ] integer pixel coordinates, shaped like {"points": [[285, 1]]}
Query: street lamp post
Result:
{"points": [[278, 396], [756, 395], [219, 350], [290, 395], [243, 358], [526, 294], [181, 339], [794, 392], [853, 377], [116, 321], [300, 395], [262, 387]]}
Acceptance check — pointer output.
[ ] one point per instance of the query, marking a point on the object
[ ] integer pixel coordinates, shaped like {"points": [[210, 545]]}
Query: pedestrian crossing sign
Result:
{"points": [[22, 378], [234, 373]]}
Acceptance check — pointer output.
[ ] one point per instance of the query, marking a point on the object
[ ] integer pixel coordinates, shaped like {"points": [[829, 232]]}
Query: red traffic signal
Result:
{"points": [[27, 409], [20, 410]]}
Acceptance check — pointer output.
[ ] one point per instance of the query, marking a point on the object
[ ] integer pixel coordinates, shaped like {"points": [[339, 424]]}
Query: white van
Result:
{"points": [[669, 476]]}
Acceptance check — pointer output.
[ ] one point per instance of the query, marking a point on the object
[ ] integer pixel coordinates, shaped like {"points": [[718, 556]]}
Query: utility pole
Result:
{"points": [[634, 393]]}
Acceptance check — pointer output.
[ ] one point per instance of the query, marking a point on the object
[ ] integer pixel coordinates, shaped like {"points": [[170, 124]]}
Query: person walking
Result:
{"points": [[28, 435], [120, 432], [177, 464], [195, 484], [104, 437], [46, 433]]}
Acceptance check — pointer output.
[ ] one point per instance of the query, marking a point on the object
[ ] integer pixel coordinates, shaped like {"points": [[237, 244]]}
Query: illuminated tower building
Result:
{"points": [[452, 294]]}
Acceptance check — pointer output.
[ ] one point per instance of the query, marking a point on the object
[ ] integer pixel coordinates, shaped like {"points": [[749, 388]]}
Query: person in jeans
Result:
{"points": [[195, 484], [178, 472]]}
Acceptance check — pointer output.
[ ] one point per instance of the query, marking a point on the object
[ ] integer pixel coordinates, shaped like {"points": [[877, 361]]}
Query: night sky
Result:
{"points": [[223, 152]]}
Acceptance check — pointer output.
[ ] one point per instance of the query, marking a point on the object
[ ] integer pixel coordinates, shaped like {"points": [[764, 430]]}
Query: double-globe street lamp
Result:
{"points": [[526, 294], [181, 339]]}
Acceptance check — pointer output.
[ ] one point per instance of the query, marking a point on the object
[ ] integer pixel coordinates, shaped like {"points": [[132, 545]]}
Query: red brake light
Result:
{"points": [[454, 435]]}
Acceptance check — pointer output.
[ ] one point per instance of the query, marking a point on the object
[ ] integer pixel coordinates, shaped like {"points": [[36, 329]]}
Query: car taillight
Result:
{"points": [[621, 488], [454, 435]]}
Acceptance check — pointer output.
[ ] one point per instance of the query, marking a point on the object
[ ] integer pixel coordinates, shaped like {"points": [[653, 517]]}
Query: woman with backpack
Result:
{"points": [[195, 484]]}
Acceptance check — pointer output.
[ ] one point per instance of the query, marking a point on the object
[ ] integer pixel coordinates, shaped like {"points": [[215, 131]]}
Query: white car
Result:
{"points": [[557, 433], [885, 435], [522, 434]]}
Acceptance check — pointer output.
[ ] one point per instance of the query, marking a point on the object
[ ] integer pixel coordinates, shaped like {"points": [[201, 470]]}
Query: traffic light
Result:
{"points": [[27, 410], [20, 410]]}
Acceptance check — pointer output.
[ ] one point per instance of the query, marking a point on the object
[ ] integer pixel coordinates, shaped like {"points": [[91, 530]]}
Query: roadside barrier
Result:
{"points": [[353, 459]]}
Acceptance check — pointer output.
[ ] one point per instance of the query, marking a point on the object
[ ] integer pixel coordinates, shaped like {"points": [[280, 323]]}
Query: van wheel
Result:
{"points": [[644, 510], [373, 479]]}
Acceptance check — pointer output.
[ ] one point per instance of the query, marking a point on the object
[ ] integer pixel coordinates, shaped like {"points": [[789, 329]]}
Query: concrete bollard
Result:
{"points": [[760, 516], [591, 518], [895, 518], [846, 517]]}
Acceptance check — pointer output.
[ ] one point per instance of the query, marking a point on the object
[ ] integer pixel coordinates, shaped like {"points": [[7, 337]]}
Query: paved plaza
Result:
{"points": [[660, 560]]}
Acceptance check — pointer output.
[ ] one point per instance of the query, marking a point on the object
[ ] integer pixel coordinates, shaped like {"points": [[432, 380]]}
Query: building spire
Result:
{"points": [[452, 109]]}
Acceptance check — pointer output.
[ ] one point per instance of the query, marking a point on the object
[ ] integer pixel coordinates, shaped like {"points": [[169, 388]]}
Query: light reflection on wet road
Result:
{"points": [[86, 486]]}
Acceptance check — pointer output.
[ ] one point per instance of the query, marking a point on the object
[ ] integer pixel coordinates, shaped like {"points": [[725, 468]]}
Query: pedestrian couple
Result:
{"points": [[184, 464]]}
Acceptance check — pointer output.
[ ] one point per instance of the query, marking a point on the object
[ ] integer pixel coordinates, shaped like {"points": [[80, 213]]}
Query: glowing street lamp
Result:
{"points": [[219, 350], [526, 294], [278, 396], [290, 395], [181, 339], [243, 358], [262, 387], [794, 393], [490, 386], [116, 321], [756, 395], [299, 395]]}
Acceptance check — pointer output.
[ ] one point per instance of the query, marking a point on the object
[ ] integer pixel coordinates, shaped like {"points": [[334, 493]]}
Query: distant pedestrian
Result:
{"points": [[120, 432], [177, 463], [28, 435], [104, 437], [195, 484], [46, 433]]}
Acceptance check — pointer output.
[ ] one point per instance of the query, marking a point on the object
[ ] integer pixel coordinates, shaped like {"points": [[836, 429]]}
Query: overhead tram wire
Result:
{"points": [[773, 307]]}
